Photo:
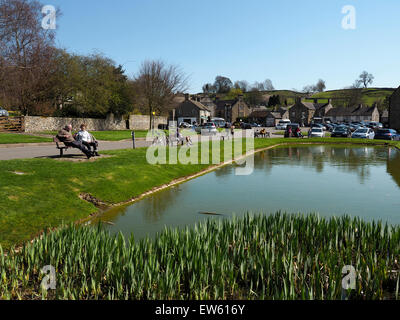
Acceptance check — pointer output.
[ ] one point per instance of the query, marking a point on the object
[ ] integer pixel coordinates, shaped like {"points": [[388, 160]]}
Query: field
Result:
{"points": [[274, 257], [369, 95]]}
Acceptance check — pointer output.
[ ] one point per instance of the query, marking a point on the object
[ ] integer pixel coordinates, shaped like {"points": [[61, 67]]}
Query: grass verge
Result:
{"points": [[13, 138]]}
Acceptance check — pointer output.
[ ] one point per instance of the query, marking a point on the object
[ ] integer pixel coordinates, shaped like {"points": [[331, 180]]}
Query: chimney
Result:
{"points": [[297, 100], [329, 101], [315, 100], [187, 96]]}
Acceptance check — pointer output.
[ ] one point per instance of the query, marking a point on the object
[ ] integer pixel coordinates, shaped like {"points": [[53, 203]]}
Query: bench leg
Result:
{"points": [[61, 153]]}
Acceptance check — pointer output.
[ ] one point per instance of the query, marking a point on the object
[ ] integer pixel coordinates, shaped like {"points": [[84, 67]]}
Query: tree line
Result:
{"points": [[38, 78]]}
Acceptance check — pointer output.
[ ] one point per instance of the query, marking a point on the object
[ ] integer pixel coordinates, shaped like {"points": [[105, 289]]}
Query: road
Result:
{"points": [[49, 150]]}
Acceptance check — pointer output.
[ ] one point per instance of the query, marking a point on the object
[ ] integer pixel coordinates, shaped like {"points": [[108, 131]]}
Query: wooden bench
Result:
{"points": [[59, 147]]}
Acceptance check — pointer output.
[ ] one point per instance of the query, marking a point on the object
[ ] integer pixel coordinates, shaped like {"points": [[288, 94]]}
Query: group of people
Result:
{"points": [[81, 140], [297, 133]]}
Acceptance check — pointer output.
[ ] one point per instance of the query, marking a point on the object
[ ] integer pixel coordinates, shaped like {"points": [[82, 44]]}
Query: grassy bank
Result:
{"points": [[11, 138], [263, 257], [47, 194]]}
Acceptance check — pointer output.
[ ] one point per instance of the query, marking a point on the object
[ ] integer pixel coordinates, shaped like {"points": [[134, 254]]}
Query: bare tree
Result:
{"points": [[27, 52], [242, 85], [157, 85], [320, 86], [268, 85], [365, 79], [223, 84]]}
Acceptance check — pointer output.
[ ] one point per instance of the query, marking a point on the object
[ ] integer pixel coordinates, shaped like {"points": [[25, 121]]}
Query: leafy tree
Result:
{"points": [[233, 94], [242, 85], [222, 84]]}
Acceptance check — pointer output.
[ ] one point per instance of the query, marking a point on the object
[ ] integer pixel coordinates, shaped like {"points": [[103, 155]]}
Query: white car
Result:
{"points": [[282, 124], [185, 125], [316, 132], [208, 128], [363, 133]]}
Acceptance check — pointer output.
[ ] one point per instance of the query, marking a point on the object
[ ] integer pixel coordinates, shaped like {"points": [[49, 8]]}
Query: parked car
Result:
{"points": [[341, 131], [364, 133], [282, 124], [293, 127], [245, 126], [185, 125], [317, 125], [255, 125], [207, 128], [374, 125], [3, 112], [316, 132], [386, 134]]}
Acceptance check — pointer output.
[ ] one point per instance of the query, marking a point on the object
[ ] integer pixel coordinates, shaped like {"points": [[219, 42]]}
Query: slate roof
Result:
{"points": [[351, 111]]}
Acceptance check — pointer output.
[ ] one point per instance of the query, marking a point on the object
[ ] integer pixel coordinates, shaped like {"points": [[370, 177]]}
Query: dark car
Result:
{"points": [[341, 131], [386, 134], [293, 127], [245, 126]]}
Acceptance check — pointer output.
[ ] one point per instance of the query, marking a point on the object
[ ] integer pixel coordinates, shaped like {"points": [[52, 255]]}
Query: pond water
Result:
{"points": [[329, 180]]}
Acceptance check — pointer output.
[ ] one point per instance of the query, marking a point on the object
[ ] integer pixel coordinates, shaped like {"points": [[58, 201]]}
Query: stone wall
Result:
{"points": [[143, 122], [39, 124], [394, 110]]}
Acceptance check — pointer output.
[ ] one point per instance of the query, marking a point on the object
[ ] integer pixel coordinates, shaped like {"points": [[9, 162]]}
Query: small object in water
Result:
{"points": [[210, 213], [108, 222]]}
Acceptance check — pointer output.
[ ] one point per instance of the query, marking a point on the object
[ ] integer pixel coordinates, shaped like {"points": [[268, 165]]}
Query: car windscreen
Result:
{"points": [[316, 130], [361, 131]]}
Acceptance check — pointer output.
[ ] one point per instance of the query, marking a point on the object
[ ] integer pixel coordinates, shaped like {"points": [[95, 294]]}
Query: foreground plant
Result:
{"points": [[256, 257]]}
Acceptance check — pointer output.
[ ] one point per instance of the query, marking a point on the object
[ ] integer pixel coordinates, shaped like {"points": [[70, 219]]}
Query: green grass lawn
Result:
{"points": [[47, 194], [10, 138]]}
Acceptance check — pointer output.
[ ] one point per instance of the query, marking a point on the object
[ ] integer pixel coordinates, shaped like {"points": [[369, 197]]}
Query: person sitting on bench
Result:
{"points": [[65, 136], [87, 139]]}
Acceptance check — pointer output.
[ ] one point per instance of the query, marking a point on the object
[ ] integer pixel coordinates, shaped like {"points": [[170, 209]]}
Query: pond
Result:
{"points": [[329, 180]]}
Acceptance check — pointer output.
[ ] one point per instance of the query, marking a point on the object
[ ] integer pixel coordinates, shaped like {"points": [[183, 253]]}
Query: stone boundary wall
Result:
{"points": [[136, 122]]}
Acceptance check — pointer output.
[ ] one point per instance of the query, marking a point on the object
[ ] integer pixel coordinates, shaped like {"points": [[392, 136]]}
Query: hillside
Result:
{"points": [[368, 96]]}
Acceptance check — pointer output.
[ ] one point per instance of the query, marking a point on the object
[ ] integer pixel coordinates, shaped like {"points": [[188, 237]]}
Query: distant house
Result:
{"points": [[394, 110], [231, 110], [358, 113], [384, 118], [269, 118], [192, 111], [303, 112]]}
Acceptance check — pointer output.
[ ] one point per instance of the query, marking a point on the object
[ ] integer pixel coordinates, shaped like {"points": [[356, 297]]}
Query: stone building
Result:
{"points": [[303, 112], [349, 114], [192, 111], [394, 110], [232, 110]]}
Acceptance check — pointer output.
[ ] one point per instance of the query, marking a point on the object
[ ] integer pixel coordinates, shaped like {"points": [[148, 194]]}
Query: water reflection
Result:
{"points": [[331, 180]]}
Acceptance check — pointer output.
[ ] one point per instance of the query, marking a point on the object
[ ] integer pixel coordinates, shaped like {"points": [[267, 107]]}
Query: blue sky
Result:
{"points": [[291, 42]]}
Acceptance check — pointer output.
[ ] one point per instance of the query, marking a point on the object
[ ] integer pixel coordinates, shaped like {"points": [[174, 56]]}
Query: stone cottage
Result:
{"points": [[358, 113], [303, 112], [394, 110], [231, 110], [192, 111]]}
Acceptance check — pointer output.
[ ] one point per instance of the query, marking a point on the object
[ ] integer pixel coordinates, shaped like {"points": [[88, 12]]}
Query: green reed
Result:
{"points": [[255, 257]]}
